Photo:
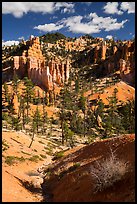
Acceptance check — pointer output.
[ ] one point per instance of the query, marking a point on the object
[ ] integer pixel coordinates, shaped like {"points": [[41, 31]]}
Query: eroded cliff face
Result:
{"points": [[121, 59], [127, 63], [32, 62]]}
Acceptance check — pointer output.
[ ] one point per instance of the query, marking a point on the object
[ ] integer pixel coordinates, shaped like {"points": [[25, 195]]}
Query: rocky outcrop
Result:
{"points": [[103, 50], [121, 58], [33, 64], [127, 63], [100, 52]]}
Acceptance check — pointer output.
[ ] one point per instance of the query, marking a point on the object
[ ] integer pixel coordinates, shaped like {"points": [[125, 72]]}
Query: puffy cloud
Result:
{"points": [[18, 9], [128, 6], [9, 43], [106, 23], [48, 27], [109, 37], [76, 24], [112, 8], [67, 7]]}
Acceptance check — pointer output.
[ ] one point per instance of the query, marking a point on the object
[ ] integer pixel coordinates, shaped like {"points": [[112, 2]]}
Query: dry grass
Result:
{"points": [[108, 172]]}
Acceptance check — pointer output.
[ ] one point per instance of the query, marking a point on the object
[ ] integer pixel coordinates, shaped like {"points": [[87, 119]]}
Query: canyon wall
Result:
{"points": [[122, 59], [32, 63]]}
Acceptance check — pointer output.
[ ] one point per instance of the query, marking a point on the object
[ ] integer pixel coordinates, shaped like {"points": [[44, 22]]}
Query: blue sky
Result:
{"points": [[73, 19]]}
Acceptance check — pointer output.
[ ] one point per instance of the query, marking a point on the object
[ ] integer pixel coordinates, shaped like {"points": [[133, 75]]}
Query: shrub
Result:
{"points": [[108, 172], [58, 155], [12, 159], [34, 158], [75, 166], [5, 146], [43, 156]]}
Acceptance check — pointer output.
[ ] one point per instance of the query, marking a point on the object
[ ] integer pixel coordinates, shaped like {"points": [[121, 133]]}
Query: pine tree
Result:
{"points": [[22, 111], [37, 119], [15, 123], [44, 117], [33, 129], [62, 120], [82, 106], [100, 108], [6, 93], [112, 119], [113, 106], [65, 103], [127, 112], [15, 83], [77, 85], [68, 134], [28, 93]]}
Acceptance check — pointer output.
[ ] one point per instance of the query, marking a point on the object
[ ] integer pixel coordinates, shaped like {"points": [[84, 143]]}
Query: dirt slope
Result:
{"points": [[71, 179], [125, 93], [19, 171]]}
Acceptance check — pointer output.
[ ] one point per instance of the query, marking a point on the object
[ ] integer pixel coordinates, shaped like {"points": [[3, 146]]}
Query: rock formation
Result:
{"points": [[103, 50], [32, 63], [121, 59]]}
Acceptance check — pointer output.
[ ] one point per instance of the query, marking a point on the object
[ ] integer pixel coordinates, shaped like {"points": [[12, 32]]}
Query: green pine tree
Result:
{"points": [[28, 93], [6, 93], [37, 119], [82, 106]]}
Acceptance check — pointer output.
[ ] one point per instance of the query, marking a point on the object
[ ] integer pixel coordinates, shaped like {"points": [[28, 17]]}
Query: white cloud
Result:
{"points": [[115, 26], [18, 9], [75, 25], [128, 6], [106, 23], [21, 38], [48, 27], [112, 8], [93, 24], [9, 43], [68, 7], [87, 3], [109, 37]]}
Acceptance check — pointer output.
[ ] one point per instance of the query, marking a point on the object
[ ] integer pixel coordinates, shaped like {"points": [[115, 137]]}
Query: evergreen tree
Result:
{"points": [[113, 107], [77, 85], [33, 129], [62, 120], [100, 108], [44, 117], [6, 93], [112, 118], [91, 119], [28, 93], [82, 106], [37, 119], [22, 111], [127, 112], [15, 83], [68, 134], [15, 123], [65, 103]]}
